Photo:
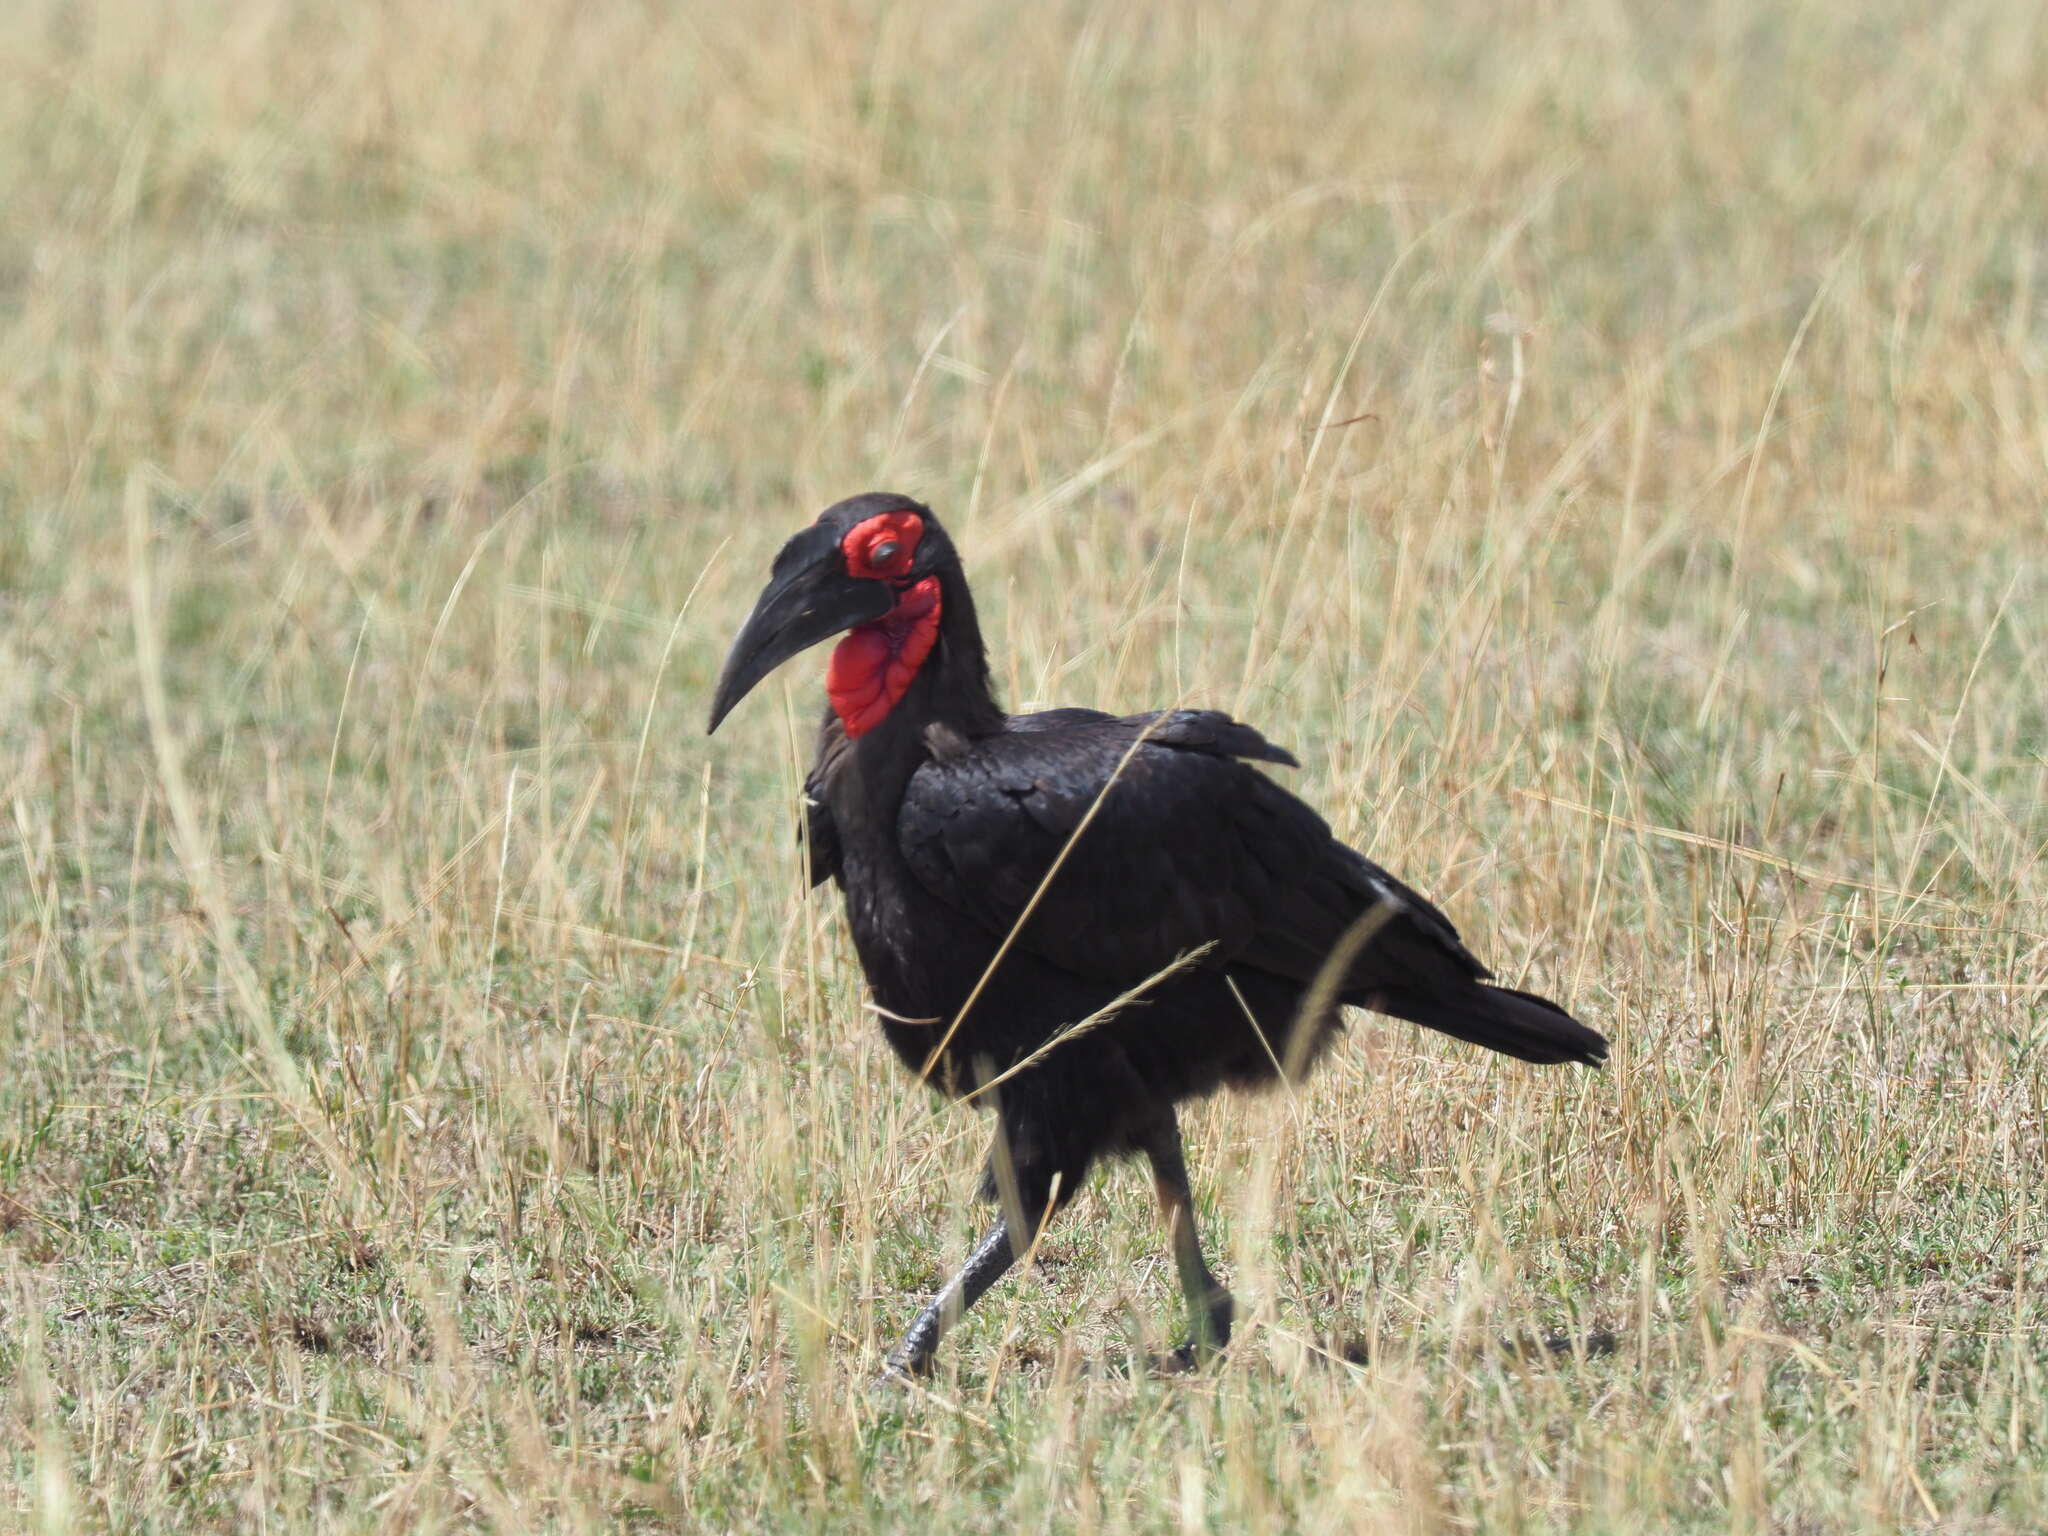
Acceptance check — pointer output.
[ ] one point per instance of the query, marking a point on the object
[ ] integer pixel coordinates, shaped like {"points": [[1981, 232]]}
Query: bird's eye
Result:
{"points": [[883, 553]]}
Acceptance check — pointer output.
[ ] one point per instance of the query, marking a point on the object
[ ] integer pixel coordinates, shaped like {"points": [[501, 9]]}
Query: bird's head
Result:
{"points": [[869, 565]]}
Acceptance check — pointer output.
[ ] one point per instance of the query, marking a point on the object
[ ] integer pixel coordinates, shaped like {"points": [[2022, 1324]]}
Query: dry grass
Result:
{"points": [[429, 1100]]}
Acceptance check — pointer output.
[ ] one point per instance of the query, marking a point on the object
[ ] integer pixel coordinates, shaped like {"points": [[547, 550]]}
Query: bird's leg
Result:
{"points": [[1210, 1308], [991, 1258], [1029, 1196]]}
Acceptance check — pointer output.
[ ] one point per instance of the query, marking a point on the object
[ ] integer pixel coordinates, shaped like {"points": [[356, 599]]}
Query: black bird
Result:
{"points": [[1171, 863]]}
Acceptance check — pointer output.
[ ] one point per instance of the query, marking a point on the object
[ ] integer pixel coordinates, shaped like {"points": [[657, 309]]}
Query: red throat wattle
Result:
{"points": [[874, 666]]}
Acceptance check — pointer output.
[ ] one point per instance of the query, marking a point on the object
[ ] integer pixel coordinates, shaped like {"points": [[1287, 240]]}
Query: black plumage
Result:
{"points": [[940, 818]]}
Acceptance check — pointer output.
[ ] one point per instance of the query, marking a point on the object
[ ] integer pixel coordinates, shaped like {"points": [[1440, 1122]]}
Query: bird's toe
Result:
{"points": [[896, 1379]]}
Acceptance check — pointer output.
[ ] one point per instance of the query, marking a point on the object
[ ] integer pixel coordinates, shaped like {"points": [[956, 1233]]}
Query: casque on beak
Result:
{"points": [[809, 597]]}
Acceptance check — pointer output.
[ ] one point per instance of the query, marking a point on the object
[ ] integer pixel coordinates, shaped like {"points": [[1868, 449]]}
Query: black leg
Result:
{"points": [[1030, 1194], [990, 1260], [1210, 1308]]}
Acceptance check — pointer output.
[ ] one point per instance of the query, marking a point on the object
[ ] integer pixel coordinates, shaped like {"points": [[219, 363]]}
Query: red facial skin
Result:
{"points": [[874, 666], [903, 528]]}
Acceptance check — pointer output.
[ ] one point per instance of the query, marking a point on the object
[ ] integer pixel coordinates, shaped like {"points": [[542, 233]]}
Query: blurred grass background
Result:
{"points": [[1608, 443]]}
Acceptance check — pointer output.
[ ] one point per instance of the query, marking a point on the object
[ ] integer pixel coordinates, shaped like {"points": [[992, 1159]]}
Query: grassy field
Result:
{"points": [[1608, 443]]}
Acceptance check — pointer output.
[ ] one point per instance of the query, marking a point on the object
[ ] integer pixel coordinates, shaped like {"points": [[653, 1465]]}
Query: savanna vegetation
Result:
{"points": [[1608, 443]]}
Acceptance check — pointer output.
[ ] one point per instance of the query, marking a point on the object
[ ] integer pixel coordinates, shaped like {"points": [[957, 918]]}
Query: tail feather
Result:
{"points": [[1518, 1024]]}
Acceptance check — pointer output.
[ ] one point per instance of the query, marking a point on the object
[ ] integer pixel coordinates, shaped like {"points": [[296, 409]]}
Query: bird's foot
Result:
{"points": [[1211, 1333], [906, 1368], [1195, 1355], [1530, 1346], [893, 1381]]}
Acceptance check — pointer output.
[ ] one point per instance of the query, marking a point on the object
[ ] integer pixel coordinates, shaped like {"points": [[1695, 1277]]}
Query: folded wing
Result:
{"points": [[1184, 845]]}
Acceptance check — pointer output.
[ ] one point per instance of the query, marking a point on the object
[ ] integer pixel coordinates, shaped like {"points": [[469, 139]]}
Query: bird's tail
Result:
{"points": [[1519, 1024]]}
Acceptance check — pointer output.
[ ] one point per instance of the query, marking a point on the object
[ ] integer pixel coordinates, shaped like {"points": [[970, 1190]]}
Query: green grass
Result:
{"points": [[1609, 446]]}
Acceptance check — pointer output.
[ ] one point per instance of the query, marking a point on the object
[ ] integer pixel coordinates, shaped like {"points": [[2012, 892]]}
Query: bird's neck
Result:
{"points": [[921, 664], [945, 698], [876, 664]]}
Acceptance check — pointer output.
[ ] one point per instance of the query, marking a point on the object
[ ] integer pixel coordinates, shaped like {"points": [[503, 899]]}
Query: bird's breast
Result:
{"points": [[918, 956]]}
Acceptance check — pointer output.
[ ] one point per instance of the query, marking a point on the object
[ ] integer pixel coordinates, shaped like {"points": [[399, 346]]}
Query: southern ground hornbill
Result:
{"points": [[1174, 868]]}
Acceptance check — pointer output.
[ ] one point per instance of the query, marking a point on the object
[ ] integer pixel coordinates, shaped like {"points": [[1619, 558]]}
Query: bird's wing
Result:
{"points": [[1187, 846], [820, 833], [821, 837]]}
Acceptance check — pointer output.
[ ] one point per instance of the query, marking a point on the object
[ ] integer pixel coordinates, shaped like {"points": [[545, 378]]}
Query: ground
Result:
{"points": [[1608, 444]]}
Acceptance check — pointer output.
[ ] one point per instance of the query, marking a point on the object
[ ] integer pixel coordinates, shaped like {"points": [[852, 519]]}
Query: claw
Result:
{"points": [[895, 1379], [906, 1367]]}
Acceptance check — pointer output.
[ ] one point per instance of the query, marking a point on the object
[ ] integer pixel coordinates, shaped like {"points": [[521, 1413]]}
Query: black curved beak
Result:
{"points": [[809, 597]]}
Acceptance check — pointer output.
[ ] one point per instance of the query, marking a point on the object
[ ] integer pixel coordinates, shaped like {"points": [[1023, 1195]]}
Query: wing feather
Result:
{"points": [[1188, 846]]}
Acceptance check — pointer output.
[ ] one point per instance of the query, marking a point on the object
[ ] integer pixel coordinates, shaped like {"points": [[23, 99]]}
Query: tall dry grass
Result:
{"points": [[1609, 444]]}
